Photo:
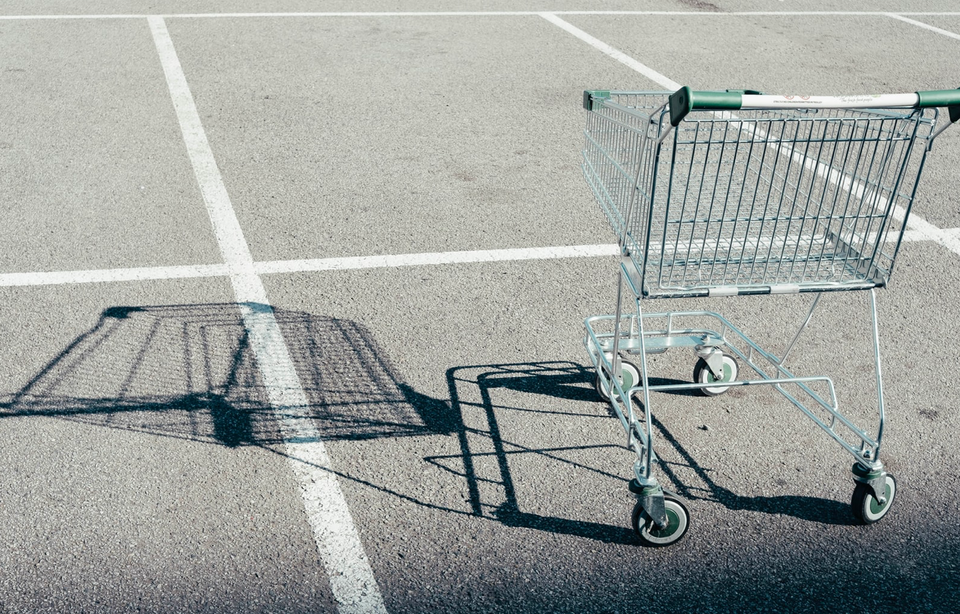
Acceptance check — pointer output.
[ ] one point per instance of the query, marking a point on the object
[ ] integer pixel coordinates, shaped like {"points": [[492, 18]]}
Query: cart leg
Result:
{"points": [[645, 462], [869, 453], [875, 488], [879, 375], [615, 359], [624, 372], [657, 519]]}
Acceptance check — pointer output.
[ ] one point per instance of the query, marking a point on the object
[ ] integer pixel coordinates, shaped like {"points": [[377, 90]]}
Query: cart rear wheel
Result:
{"points": [[678, 521], [631, 378], [866, 508], [703, 375]]}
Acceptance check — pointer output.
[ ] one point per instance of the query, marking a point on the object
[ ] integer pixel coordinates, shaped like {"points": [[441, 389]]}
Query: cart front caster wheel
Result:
{"points": [[866, 508], [678, 521], [703, 375], [631, 378]]}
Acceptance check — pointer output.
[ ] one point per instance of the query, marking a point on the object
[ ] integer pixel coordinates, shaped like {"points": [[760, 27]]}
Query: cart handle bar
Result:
{"points": [[685, 100]]}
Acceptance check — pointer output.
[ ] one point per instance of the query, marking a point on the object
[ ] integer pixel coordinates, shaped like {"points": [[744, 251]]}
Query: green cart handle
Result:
{"points": [[685, 100]]}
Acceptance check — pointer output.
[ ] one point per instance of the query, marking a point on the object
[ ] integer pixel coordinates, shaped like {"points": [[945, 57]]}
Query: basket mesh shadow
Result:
{"points": [[187, 371]]}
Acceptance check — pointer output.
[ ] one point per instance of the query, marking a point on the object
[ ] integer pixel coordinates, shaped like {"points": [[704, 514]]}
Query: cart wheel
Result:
{"points": [[702, 375], [631, 378], [678, 521], [866, 508]]}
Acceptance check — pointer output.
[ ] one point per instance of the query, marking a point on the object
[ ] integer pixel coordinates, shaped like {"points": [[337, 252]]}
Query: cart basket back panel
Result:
{"points": [[755, 201]]}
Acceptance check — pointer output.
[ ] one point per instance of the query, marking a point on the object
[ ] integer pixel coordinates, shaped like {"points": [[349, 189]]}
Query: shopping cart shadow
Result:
{"points": [[484, 461], [189, 372], [813, 509], [474, 391]]}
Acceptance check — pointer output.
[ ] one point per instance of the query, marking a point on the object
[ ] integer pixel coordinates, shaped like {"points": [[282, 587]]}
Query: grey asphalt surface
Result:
{"points": [[142, 466]]}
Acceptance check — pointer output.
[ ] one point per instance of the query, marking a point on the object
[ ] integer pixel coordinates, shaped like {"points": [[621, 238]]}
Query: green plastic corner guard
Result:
{"points": [[590, 95], [942, 98], [685, 100]]}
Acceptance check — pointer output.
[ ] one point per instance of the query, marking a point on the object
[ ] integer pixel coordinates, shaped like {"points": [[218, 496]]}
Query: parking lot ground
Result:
{"points": [[291, 318]]}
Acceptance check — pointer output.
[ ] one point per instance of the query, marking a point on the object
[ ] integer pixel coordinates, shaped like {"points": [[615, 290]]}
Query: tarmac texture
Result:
{"points": [[291, 317]]}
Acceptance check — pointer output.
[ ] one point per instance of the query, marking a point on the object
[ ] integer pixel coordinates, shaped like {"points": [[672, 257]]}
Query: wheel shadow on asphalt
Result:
{"points": [[812, 509], [474, 390], [493, 492]]}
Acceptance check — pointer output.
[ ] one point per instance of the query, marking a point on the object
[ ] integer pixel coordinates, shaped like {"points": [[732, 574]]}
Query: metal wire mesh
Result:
{"points": [[756, 201]]}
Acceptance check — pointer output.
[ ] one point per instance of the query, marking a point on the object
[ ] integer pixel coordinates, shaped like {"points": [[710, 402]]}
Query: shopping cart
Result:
{"points": [[738, 193]]}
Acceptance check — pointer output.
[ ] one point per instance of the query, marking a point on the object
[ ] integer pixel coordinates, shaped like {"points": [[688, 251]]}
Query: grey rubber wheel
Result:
{"points": [[703, 375], [678, 521], [631, 378], [866, 508]]}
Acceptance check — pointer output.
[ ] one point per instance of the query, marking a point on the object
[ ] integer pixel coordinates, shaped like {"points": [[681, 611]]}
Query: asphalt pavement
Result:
{"points": [[291, 317]]}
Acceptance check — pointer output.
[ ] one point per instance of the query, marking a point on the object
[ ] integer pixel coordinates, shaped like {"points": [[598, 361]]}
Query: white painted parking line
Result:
{"points": [[619, 56], [351, 577], [947, 237], [910, 236], [925, 26], [56, 278], [709, 14], [493, 255], [929, 232]]}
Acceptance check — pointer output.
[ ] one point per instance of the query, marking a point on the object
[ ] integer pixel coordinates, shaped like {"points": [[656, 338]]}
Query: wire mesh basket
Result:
{"points": [[755, 201]]}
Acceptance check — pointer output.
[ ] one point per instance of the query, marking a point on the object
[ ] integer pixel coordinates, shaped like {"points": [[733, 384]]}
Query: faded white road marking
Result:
{"points": [[617, 55], [707, 14], [56, 278], [273, 267], [432, 259], [351, 577], [925, 26]]}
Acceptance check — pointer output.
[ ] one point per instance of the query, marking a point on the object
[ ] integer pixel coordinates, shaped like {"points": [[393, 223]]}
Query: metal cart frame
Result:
{"points": [[738, 193]]}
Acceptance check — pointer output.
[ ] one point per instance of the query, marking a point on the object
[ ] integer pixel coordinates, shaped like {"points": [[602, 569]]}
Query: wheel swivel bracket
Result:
{"points": [[652, 502], [875, 479], [709, 350]]}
